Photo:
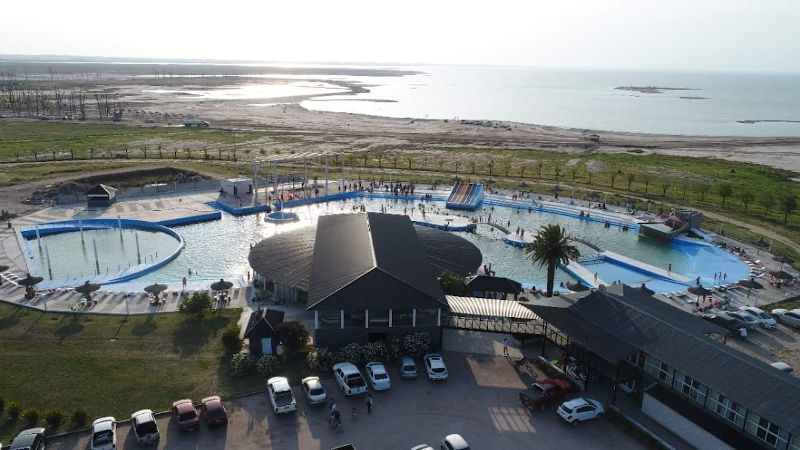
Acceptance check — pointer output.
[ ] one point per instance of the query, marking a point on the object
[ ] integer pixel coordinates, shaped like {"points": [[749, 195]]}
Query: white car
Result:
{"points": [[281, 395], [750, 322], [761, 316], [104, 434], [454, 442], [434, 365], [378, 377], [349, 379], [422, 447], [580, 410], [145, 427], [313, 390], [791, 318]]}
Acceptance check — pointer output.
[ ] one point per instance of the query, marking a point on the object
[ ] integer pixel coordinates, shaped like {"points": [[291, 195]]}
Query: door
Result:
{"points": [[266, 346]]}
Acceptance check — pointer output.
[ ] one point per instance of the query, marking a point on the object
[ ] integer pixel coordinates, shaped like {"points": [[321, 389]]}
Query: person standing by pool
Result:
{"points": [[184, 283], [669, 268]]}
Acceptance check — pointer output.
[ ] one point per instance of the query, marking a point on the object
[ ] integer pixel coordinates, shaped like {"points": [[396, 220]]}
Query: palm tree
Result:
{"points": [[550, 248]]}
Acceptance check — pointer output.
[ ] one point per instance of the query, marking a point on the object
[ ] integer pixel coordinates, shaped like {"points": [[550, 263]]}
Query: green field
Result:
{"points": [[111, 365]]}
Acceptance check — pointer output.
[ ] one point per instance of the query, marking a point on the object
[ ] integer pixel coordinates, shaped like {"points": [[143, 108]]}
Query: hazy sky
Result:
{"points": [[672, 34]]}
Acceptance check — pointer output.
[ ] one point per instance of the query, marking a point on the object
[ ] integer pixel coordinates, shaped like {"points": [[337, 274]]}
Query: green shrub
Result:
{"points": [[293, 336], [350, 353], [197, 304], [30, 416], [79, 416], [14, 410], [416, 344], [391, 351], [2, 405], [53, 418], [320, 360], [269, 365], [230, 339], [373, 351], [241, 366]]}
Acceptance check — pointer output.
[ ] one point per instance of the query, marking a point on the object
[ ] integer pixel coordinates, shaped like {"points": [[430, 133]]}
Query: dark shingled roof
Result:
{"points": [[494, 284], [101, 189], [286, 258], [370, 261], [271, 317], [680, 340]]}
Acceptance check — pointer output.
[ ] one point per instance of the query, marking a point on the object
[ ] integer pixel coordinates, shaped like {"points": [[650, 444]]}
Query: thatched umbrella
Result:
{"points": [[577, 287], [646, 289], [87, 288], [155, 289], [761, 243], [221, 285], [750, 284], [30, 280], [783, 259], [3, 268], [699, 290], [781, 275]]}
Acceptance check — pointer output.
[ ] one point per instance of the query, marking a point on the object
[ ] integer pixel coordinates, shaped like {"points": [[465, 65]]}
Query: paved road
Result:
{"points": [[479, 402]]}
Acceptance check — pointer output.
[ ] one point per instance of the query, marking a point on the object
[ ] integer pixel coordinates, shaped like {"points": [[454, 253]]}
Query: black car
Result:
{"points": [[31, 439], [724, 320]]}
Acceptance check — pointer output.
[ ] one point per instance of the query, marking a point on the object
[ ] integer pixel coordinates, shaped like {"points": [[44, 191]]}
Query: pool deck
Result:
{"points": [[519, 241], [646, 267], [442, 222], [583, 274]]}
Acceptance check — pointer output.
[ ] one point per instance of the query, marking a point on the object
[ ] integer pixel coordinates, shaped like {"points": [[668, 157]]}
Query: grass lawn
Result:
{"points": [[111, 365]]}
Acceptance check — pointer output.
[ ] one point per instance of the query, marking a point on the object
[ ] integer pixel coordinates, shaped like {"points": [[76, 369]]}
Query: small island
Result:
{"points": [[653, 89]]}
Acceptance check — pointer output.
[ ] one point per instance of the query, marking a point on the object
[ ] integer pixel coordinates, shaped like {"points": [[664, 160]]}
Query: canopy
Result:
{"points": [[781, 274], [647, 290], [155, 288], [576, 287], [783, 259], [221, 285], [699, 290], [30, 280], [750, 283], [87, 288], [3, 268]]}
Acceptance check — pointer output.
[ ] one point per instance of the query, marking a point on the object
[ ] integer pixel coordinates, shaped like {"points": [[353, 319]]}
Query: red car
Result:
{"points": [[185, 415], [551, 390], [213, 411]]}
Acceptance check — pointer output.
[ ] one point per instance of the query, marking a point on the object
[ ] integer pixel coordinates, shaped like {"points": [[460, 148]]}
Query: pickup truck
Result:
{"points": [[539, 395]]}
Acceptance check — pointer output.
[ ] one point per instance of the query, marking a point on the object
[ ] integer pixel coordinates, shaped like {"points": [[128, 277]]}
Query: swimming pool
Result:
{"points": [[219, 249]]}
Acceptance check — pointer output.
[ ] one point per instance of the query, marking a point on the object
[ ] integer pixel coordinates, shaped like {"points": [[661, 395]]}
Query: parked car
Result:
{"points": [[408, 368], [281, 395], [104, 434], [145, 427], [349, 379], [763, 317], [724, 320], [580, 410], [454, 442], [750, 322], [791, 318], [434, 365], [213, 411], [313, 390], [541, 394], [422, 447], [30, 439], [782, 366], [376, 372], [185, 415]]}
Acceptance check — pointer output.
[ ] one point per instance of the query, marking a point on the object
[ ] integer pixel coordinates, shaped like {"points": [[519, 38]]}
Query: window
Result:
{"points": [[426, 317], [726, 408], [766, 431], [691, 388], [330, 319], [402, 317], [794, 442], [355, 319], [379, 317], [659, 370]]}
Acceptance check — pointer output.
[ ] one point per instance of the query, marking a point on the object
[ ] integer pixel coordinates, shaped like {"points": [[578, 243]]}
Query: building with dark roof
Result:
{"points": [[101, 196], [485, 286], [261, 331], [365, 276], [686, 376]]}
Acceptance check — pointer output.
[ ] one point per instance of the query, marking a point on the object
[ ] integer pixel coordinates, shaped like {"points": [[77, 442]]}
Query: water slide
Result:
{"points": [[465, 196]]}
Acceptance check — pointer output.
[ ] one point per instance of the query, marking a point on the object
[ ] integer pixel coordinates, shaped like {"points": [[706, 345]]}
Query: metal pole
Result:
{"points": [[80, 226], [326, 175], [49, 268], [96, 260], [138, 254], [38, 238], [127, 309], [255, 184]]}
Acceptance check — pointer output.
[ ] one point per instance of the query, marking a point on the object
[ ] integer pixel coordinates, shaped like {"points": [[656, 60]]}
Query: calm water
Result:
{"points": [[585, 99], [219, 249]]}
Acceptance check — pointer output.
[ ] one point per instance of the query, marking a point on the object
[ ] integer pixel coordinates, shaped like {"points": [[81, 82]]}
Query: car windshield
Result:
{"points": [[764, 315], [188, 415], [215, 413], [409, 368], [316, 391], [283, 398], [793, 315], [438, 370], [146, 428], [102, 437], [355, 381], [566, 409], [381, 376]]}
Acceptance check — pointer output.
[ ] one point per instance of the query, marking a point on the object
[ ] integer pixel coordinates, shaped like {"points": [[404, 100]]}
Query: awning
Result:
{"points": [[488, 307]]}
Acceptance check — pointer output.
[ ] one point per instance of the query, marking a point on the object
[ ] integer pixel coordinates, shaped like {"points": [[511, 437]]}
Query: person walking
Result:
{"points": [[184, 283], [337, 419], [332, 405], [505, 346], [369, 403]]}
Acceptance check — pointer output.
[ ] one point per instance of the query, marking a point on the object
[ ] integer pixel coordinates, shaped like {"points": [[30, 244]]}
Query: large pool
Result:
{"points": [[219, 249]]}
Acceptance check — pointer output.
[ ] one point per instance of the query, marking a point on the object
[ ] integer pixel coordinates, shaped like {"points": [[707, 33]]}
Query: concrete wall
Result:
{"points": [[136, 191], [680, 425]]}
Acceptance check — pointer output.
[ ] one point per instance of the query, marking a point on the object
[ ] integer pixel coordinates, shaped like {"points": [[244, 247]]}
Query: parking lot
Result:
{"points": [[479, 402]]}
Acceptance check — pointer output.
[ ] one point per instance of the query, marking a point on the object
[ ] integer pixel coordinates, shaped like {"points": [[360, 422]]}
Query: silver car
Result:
{"points": [[791, 318], [313, 390], [750, 322], [408, 368]]}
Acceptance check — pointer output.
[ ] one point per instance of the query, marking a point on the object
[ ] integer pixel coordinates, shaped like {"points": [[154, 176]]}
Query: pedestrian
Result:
{"points": [[369, 403], [669, 269], [725, 276], [505, 346], [184, 283], [337, 419]]}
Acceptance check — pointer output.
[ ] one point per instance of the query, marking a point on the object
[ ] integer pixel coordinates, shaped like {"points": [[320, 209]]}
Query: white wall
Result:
{"points": [[680, 425]]}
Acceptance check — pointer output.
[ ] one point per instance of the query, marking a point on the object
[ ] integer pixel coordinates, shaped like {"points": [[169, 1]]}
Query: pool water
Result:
{"points": [[219, 249]]}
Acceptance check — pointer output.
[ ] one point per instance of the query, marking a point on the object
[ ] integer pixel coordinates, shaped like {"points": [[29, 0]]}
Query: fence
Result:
{"points": [[138, 191]]}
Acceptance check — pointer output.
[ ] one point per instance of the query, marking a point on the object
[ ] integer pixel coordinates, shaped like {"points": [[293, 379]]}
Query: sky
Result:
{"points": [[619, 34]]}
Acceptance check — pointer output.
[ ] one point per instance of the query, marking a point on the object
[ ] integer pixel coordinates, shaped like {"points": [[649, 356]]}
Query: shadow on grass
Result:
{"points": [[230, 385], [73, 327], [195, 332], [144, 327], [10, 320]]}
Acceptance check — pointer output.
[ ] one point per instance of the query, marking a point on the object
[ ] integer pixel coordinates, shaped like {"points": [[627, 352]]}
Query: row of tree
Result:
{"points": [[24, 98]]}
